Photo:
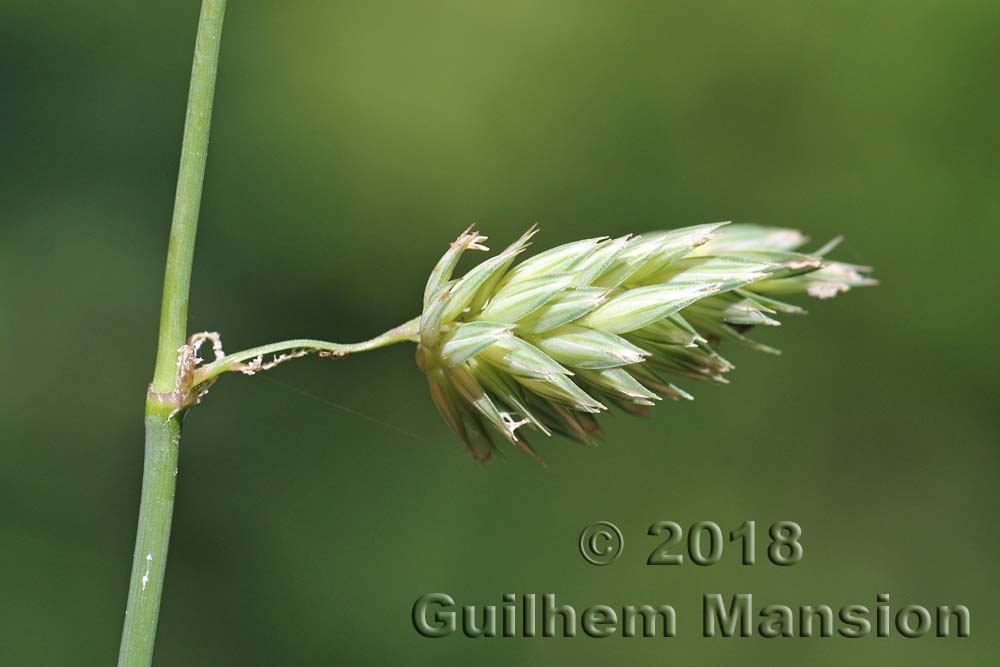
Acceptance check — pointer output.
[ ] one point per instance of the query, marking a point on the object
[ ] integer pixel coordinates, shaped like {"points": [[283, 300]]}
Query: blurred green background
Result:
{"points": [[351, 142]]}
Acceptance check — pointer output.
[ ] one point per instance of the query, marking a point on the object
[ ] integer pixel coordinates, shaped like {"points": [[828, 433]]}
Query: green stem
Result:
{"points": [[408, 331], [187, 201], [163, 434], [164, 409]]}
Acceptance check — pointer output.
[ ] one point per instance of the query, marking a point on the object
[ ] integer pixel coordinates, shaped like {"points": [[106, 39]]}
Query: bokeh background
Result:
{"points": [[351, 142]]}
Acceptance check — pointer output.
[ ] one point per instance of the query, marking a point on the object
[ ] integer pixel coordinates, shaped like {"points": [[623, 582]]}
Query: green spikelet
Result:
{"points": [[548, 343]]}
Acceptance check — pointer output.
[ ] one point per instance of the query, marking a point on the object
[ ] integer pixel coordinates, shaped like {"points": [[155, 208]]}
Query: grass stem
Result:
{"points": [[163, 420]]}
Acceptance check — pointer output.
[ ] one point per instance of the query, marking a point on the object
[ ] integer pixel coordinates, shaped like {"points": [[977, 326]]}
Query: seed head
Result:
{"points": [[548, 343]]}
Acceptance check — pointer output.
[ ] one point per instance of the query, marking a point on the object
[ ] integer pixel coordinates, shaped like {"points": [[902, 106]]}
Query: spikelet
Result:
{"points": [[548, 343]]}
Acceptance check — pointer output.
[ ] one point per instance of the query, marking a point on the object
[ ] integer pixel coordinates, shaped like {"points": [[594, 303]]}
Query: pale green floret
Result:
{"points": [[550, 342], [618, 384], [583, 347], [673, 330], [520, 358], [556, 260], [467, 340], [565, 307], [517, 300], [592, 266], [642, 306]]}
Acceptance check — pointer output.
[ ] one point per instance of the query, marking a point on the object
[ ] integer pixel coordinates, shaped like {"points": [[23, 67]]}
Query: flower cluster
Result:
{"points": [[550, 342]]}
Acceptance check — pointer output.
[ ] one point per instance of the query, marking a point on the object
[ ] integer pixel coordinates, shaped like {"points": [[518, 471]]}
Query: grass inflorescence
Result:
{"points": [[550, 342]]}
